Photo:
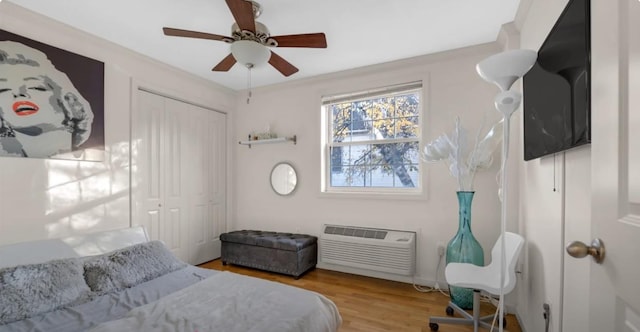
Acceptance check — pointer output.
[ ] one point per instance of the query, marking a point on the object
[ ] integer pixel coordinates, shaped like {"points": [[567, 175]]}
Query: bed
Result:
{"points": [[121, 281]]}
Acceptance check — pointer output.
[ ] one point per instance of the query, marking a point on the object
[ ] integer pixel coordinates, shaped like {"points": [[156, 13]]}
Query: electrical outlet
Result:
{"points": [[440, 249]]}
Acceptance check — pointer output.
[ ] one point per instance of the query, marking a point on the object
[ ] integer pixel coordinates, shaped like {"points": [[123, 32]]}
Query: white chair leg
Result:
{"points": [[476, 309], [473, 319]]}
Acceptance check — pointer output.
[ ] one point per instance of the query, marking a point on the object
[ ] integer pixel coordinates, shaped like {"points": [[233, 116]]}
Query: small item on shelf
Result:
{"points": [[265, 135], [255, 139]]}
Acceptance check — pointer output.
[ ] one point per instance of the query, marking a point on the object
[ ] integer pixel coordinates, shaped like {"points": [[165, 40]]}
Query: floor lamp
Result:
{"points": [[503, 69]]}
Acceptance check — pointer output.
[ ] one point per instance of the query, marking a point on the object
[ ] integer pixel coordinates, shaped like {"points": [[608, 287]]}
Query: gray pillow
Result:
{"points": [[30, 290], [130, 266]]}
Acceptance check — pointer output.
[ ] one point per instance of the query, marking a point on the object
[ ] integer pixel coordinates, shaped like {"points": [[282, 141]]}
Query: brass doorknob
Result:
{"points": [[578, 249]]}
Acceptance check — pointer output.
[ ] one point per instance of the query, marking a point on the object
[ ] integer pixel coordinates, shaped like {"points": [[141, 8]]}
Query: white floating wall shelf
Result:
{"points": [[249, 143]]}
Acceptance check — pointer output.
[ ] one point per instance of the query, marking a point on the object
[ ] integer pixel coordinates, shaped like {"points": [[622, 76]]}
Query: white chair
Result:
{"points": [[481, 278]]}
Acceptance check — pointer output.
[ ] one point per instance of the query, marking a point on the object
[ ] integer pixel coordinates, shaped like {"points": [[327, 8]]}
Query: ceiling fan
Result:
{"points": [[250, 39]]}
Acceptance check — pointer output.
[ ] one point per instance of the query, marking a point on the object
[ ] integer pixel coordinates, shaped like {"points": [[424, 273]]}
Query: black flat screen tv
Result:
{"points": [[556, 91]]}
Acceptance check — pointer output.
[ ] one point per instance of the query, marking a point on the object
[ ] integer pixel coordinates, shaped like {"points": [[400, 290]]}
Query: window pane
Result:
{"points": [[382, 129], [414, 174], [350, 177], [411, 152], [356, 155], [407, 105], [383, 179], [381, 108], [336, 159], [378, 165], [407, 127], [341, 121]]}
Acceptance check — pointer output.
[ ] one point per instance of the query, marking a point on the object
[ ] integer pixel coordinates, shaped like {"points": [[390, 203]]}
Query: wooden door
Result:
{"points": [[612, 291]]}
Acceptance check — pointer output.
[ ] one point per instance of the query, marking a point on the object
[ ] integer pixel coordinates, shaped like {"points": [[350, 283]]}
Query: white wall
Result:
{"points": [[43, 198], [541, 206], [452, 87], [550, 218]]}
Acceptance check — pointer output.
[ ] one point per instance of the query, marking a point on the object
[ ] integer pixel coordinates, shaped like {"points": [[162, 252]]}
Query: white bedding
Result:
{"points": [[231, 302]]}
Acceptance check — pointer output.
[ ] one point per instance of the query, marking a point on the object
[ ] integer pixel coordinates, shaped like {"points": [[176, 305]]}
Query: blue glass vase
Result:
{"points": [[464, 248]]}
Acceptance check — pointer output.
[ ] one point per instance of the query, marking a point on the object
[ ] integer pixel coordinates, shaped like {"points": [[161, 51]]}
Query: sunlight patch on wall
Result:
{"points": [[80, 195]]}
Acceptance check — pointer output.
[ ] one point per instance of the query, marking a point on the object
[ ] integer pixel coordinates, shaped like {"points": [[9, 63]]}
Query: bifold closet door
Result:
{"points": [[218, 178], [206, 169], [159, 194], [179, 175]]}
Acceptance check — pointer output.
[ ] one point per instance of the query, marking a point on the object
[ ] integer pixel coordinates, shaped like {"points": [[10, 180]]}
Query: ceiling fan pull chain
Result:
{"points": [[249, 66]]}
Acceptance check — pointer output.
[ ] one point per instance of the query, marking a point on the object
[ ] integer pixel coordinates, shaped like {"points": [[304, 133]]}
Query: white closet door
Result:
{"points": [[218, 178], [148, 123], [179, 175], [175, 228], [158, 195], [205, 191]]}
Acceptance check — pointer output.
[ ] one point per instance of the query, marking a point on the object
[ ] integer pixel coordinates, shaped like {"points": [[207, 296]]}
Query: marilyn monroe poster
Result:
{"points": [[51, 101]]}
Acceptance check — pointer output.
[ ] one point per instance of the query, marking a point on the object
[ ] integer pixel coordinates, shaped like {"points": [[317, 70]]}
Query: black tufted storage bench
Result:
{"points": [[287, 253]]}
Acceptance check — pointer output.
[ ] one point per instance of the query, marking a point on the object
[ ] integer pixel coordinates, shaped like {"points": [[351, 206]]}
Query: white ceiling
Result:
{"points": [[359, 32]]}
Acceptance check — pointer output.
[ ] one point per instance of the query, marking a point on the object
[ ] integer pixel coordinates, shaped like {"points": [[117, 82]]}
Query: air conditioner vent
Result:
{"points": [[367, 233], [382, 250]]}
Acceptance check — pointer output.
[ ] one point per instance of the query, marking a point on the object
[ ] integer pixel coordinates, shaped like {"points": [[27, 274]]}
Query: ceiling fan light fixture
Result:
{"points": [[261, 35], [250, 53]]}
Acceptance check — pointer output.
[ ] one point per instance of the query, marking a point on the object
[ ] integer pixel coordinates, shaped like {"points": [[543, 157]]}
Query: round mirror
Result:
{"points": [[283, 179]]}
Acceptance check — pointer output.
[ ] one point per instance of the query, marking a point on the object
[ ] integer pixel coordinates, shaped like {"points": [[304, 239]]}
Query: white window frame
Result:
{"points": [[327, 142]]}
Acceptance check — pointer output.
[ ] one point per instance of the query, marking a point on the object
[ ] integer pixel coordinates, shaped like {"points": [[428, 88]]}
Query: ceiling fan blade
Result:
{"points": [[225, 64], [314, 40], [282, 65], [242, 11], [193, 34]]}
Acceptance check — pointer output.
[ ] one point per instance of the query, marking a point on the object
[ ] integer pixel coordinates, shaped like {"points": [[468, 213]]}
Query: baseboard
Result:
{"points": [[522, 327], [377, 274], [429, 282]]}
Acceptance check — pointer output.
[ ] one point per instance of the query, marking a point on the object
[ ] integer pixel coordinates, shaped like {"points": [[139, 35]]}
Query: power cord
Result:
{"points": [[496, 303], [436, 287], [495, 317]]}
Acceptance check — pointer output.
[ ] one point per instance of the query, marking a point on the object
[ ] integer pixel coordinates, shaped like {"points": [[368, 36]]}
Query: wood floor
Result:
{"points": [[370, 304]]}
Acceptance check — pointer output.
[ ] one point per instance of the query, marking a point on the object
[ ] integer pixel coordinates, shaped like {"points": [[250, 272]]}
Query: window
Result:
{"points": [[372, 140]]}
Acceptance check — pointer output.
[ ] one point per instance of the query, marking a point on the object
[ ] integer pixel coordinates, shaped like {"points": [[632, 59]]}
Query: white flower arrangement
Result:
{"points": [[463, 158]]}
